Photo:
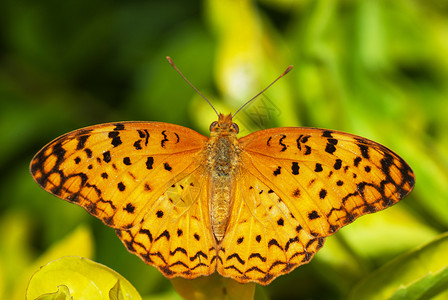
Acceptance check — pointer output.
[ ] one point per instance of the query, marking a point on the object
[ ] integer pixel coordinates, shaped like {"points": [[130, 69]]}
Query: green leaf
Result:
{"points": [[426, 288], [84, 278], [79, 243], [63, 293], [116, 293], [419, 274]]}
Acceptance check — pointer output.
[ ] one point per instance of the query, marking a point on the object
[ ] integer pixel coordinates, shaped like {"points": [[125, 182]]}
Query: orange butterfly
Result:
{"points": [[251, 208]]}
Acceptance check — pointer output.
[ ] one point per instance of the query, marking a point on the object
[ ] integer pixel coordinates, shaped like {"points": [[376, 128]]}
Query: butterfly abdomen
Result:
{"points": [[222, 162]]}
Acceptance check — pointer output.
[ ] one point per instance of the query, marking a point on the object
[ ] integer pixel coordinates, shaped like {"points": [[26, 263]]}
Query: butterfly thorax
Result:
{"points": [[222, 163]]}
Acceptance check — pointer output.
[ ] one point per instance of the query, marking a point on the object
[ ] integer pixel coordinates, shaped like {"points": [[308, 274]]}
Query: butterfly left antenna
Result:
{"points": [[185, 78]]}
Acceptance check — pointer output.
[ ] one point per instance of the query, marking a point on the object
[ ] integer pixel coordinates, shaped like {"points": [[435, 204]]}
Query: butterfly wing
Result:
{"points": [[129, 175], [175, 233], [263, 239], [298, 186]]}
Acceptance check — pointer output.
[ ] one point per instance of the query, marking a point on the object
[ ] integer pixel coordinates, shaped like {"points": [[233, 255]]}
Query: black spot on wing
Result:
{"points": [[302, 140], [164, 140], [298, 141], [88, 152], [137, 145], [149, 162], [332, 141], [313, 215], [296, 193], [308, 150], [277, 171], [356, 161], [295, 168], [129, 208], [364, 150], [322, 194], [327, 133], [119, 126], [338, 164], [81, 141], [284, 147], [197, 237], [106, 157], [330, 148], [143, 134], [127, 161], [121, 186], [167, 166], [116, 140], [177, 136]]}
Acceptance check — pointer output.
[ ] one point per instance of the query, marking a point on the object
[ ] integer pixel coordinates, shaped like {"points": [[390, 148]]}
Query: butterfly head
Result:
{"points": [[224, 125]]}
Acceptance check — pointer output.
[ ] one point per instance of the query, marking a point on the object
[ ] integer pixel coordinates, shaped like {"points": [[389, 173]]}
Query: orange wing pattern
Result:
{"points": [[175, 233], [264, 239], [293, 187], [140, 178], [298, 186]]}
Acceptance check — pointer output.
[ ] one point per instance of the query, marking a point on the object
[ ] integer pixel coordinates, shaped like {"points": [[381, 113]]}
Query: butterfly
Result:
{"points": [[250, 208]]}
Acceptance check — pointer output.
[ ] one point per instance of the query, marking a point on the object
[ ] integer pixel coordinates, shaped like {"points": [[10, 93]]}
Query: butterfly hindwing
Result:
{"points": [[263, 239], [175, 233]]}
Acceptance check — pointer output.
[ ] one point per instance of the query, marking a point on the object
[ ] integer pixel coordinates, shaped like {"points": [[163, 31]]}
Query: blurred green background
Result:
{"points": [[375, 68]]}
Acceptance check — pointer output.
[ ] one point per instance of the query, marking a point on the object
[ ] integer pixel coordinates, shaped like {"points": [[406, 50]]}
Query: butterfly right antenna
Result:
{"points": [[283, 74]]}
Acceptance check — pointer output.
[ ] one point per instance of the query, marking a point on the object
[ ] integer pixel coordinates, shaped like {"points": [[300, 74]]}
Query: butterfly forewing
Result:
{"points": [[326, 178], [116, 171]]}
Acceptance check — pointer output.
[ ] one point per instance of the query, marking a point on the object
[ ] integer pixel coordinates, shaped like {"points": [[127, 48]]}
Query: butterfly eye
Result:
{"points": [[235, 126], [213, 125]]}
